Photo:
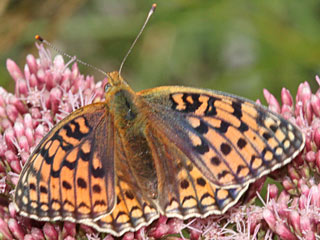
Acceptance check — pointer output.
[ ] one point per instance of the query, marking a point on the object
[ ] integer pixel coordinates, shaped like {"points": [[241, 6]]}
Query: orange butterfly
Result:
{"points": [[177, 151]]}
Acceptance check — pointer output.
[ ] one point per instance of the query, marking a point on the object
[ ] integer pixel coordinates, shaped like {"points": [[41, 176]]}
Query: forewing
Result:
{"points": [[231, 140], [70, 174]]}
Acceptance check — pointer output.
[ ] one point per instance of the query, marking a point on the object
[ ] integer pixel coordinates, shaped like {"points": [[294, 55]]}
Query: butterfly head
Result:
{"points": [[115, 82], [114, 79]]}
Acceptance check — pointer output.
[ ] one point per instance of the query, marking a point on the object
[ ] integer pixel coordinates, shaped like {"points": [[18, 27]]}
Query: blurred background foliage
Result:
{"points": [[237, 46]]}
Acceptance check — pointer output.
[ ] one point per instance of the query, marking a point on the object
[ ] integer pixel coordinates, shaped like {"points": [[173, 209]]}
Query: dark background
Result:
{"points": [[235, 46]]}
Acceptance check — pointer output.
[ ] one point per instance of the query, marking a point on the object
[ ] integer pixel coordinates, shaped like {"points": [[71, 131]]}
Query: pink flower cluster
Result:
{"points": [[47, 90]]}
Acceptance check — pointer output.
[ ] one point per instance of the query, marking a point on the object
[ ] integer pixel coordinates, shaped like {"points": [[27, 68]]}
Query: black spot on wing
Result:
{"points": [[211, 109], [202, 128], [96, 188], [49, 160], [184, 184], [66, 147], [54, 173], [223, 128], [81, 183], [69, 165], [129, 195], [202, 148], [76, 133], [44, 153], [201, 181], [66, 185], [237, 112], [98, 172], [266, 136], [274, 128], [215, 161], [241, 143], [43, 189], [222, 174], [32, 186], [191, 107], [65, 202], [225, 148], [82, 204], [84, 156], [243, 127], [99, 202]]}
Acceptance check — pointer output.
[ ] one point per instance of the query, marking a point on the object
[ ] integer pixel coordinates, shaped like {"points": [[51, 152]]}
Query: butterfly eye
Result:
{"points": [[107, 87]]}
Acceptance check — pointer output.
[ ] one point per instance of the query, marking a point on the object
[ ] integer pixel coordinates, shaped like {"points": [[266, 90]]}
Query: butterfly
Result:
{"points": [[177, 151]]}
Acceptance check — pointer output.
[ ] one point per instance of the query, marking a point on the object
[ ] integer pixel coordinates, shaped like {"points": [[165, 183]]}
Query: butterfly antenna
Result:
{"points": [[74, 58], [152, 10]]}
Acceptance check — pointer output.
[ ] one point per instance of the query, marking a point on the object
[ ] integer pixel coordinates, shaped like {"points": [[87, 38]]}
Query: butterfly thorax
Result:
{"points": [[128, 111]]}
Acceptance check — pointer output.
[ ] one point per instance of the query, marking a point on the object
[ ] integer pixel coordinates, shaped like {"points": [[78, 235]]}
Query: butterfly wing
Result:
{"points": [[70, 174], [133, 209], [184, 191], [232, 141]]}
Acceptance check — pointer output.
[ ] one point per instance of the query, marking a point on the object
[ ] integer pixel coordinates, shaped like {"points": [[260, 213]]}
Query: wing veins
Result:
{"points": [[248, 140], [184, 115], [39, 172], [169, 167]]}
